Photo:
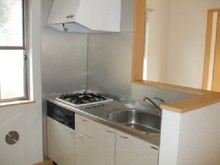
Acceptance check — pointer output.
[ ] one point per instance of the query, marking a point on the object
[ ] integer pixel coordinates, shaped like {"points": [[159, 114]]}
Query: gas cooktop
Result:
{"points": [[83, 98]]}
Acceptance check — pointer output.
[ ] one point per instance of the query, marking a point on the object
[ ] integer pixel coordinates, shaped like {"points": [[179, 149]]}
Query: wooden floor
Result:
{"points": [[47, 162]]}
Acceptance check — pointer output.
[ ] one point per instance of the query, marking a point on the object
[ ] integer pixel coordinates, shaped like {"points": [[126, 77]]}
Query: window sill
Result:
{"points": [[19, 102]]}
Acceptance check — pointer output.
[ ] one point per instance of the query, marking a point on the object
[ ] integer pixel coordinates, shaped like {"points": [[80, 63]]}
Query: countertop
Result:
{"points": [[202, 97], [96, 114]]}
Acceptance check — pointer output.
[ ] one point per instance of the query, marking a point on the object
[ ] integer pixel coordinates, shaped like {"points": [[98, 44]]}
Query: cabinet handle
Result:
{"points": [[109, 131], [69, 16], [155, 148], [83, 120], [70, 131], [123, 137], [79, 136]]}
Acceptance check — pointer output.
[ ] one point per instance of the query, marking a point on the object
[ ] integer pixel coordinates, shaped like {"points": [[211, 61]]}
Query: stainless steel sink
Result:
{"points": [[137, 119]]}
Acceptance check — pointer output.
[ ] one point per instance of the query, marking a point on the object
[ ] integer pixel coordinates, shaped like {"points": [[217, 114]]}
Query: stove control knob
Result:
{"points": [[69, 117]]}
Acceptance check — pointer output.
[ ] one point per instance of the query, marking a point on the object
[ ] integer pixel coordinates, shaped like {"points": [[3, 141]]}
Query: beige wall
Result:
{"points": [[157, 37], [187, 41], [177, 31]]}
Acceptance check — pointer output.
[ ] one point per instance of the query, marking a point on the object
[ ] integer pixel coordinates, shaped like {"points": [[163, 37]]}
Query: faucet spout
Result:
{"points": [[152, 102]]}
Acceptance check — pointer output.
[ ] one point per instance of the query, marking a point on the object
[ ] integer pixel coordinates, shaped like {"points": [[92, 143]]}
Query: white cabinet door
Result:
{"points": [[133, 151], [61, 145], [84, 150], [83, 125], [104, 144], [84, 141], [95, 143]]}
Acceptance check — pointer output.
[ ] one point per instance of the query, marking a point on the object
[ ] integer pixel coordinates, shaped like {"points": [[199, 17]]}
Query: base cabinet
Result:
{"points": [[61, 143], [93, 143], [130, 150]]}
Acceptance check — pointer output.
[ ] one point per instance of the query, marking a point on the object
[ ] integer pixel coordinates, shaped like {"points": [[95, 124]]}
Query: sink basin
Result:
{"points": [[136, 119]]}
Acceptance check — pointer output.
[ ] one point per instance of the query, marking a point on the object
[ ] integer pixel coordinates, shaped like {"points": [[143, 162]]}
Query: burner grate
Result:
{"points": [[83, 98]]}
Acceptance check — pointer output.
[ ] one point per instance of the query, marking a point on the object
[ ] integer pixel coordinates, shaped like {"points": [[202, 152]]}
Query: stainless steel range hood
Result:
{"points": [[86, 15]]}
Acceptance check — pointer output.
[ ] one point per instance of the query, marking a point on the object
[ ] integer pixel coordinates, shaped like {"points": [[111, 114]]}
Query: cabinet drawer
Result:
{"points": [[84, 125]]}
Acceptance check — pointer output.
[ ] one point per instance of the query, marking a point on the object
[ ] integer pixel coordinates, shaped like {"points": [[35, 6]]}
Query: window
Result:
{"points": [[13, 57]]}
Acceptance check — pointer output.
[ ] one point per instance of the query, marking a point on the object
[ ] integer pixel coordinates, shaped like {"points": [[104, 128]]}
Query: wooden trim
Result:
{"points": [[208, 47], [214, 10], [139, 40], [216, 71], [193, 103], [15, 103], [207, 50]]}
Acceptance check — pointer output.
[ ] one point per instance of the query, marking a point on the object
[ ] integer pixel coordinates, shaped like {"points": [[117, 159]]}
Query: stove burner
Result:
{"points": [[82, 98]]}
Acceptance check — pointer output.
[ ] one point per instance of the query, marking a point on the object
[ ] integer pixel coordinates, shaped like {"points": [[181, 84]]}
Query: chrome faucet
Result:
{"points": [[153, 103], [162, 101]]}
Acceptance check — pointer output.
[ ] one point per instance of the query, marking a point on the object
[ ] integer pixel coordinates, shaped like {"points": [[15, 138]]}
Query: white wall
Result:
{"points": [[187, 31], [199, 137], [157, 33], [191, 138], [169, 138], [176, 40], [25, 119]]}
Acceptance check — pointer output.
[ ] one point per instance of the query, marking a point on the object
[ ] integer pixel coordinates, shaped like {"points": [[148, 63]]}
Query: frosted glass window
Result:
{"points": [[12, 74], [13, 57], [11, 23]]}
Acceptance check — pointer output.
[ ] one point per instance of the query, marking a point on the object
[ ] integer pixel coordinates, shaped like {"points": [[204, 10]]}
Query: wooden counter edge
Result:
{"points": [[192, 103], [202, 98]]}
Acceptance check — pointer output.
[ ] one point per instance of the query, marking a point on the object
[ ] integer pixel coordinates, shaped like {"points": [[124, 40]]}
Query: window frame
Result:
{"points": [[24, 47]]}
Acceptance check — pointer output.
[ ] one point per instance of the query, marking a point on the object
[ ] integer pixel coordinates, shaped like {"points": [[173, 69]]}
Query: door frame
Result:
{"points": [[208, 47]]}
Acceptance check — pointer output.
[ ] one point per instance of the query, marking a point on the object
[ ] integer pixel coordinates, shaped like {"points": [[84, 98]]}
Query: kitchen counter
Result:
{"points": [[202, 97], [97, 114]]}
